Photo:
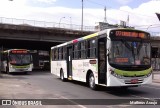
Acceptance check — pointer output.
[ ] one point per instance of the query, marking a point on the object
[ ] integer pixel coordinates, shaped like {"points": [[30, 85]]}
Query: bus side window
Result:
{"points": [[60, 53], [52, 54], [88, 49], [72, 51], [4, 57], [79, 50], [56, 54], [76, 51], [93, 48], [83, 52], [64, 52]]}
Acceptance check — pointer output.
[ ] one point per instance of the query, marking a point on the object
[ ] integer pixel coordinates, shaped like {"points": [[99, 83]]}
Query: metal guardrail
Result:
{"points": [[155, 34], [44, 24]]}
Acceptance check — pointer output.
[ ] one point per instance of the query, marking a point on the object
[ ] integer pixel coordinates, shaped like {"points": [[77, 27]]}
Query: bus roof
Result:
{"points": [[93, 35]]}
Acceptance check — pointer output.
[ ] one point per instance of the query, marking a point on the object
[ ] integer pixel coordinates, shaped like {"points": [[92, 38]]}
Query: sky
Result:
{"points": [[137, 13]]}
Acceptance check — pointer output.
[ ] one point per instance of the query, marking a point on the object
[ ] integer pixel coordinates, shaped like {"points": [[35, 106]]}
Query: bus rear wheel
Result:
{"points": [[91, 80]]}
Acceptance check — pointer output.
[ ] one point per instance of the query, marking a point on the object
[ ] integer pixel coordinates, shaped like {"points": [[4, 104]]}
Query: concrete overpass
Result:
{"points": [[15, 33], [30, 34], [32, 37]]}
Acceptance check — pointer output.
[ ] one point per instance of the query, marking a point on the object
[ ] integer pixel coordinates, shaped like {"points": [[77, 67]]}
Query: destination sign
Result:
{"points": [[130, 34], [126, 33], [121, 60], [19, 51]]}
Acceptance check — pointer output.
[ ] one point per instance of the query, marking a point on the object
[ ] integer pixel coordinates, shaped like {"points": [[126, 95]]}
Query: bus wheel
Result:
{"points": [[92, 84], [62, 75]]}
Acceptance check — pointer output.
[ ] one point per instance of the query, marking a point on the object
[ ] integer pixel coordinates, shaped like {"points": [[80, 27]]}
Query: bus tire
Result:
{"points": [[62, 76], [91, 80]]}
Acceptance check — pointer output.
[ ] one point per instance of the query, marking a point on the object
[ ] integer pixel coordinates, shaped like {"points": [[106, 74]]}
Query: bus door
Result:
{"points": [[69, 62], [102, 61]]}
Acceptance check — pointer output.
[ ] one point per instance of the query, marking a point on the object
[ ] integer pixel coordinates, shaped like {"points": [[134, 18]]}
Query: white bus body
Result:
{"points": [[99, 69], [16, 60]]}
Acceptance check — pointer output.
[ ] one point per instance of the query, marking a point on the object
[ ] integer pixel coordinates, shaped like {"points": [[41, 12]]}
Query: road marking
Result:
{"points": [[73, 102]]}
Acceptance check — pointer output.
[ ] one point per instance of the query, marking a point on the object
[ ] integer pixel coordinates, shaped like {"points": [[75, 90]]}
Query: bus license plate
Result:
{"points": [[134, 81]]}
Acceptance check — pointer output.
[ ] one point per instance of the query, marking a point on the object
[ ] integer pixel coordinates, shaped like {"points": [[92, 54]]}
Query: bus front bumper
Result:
{"points": [[114, 81]]}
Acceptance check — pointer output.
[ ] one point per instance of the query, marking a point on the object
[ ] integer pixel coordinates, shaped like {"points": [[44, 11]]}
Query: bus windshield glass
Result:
{"points": [[20, 59], [129, 53]]}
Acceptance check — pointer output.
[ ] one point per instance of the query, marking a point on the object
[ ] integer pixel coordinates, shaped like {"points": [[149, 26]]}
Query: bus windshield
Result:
{"points": [[20, 59], [129, 53]]}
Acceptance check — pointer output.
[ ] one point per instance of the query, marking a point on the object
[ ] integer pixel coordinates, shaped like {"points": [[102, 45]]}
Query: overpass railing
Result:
{"points": [[25, 22], [155, 34]]}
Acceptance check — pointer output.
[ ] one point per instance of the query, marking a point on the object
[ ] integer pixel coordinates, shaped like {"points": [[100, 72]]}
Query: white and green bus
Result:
{"points": [[112, 57], [16, 60]]}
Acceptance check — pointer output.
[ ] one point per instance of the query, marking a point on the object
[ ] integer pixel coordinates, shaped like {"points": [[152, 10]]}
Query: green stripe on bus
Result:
{"points": [[133, 73], [20, 66]]}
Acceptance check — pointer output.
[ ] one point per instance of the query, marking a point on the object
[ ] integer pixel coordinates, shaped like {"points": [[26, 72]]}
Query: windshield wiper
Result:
{"points": [[131, 48], [117, 50], [139, 47], [127, 45]]}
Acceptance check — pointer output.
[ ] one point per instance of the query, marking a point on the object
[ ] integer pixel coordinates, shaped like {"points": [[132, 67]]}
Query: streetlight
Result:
{"points": [[82, 17], [105, 16], [60, 21], [70, 22]]}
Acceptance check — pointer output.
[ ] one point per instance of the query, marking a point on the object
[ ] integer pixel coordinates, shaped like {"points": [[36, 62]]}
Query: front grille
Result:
{"points": [[130, 81]]}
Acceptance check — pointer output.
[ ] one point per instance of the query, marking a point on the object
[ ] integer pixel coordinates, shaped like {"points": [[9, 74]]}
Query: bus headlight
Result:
{"points": [[147, 75], [115, 74], [11, 66]]}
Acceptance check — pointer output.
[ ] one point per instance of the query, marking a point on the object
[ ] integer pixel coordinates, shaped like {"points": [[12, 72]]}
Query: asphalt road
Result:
{"points": [[77, 90]]}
